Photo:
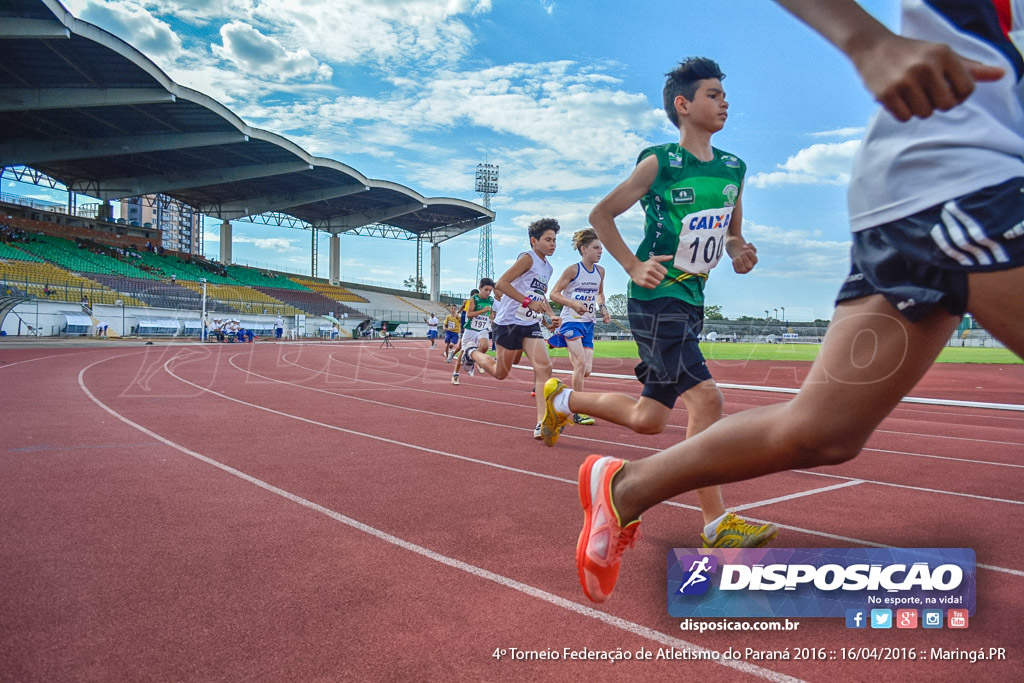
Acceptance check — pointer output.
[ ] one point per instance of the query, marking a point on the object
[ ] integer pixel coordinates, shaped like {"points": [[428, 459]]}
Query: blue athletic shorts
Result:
{"points": [[451, 337], [666, 331], [922, 261], [584, 331], [431, 334]]}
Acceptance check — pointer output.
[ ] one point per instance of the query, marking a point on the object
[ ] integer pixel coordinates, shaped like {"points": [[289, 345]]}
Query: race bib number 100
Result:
{"points": [[702, 240]]}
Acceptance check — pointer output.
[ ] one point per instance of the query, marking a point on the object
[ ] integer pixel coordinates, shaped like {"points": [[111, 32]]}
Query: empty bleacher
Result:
{"points": [[259, 278], [12, 253], [335, 292], [47, 281], [158, 294], [311, 302], [243, 299]]}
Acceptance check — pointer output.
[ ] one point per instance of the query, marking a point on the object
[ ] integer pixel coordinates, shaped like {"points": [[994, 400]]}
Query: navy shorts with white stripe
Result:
{"points": [[922, 261]]}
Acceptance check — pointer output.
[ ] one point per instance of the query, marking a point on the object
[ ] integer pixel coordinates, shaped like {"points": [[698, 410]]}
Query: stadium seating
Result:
{"points": [[312, 302], [11, 253], [46, 281], [335, 292], [78, 259], [244, 299], [259, 278]]}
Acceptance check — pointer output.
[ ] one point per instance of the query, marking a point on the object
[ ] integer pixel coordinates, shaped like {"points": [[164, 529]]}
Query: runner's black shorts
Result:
{"points": [[921, 262], [666, 331], [511, 336]]}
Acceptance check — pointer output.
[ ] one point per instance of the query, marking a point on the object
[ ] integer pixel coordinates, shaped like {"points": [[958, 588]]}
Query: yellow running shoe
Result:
{"points": [[603, 538], [581, 419], [736, 532], [554, 421]]}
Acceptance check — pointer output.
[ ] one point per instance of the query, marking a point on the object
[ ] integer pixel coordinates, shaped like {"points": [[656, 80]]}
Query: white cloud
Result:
{"points": [[847, 132], [278, 244], [384, 32], [820, 164], [265, 56], [131, 22], [801, 254]]}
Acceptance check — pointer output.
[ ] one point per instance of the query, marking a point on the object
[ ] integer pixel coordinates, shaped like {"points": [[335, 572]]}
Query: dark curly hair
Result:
{"points": [[540, 226], [683, 80]]}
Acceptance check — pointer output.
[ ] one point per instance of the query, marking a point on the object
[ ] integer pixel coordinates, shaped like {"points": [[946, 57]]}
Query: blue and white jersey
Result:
{"points": [[583, 288], [534, 284]]}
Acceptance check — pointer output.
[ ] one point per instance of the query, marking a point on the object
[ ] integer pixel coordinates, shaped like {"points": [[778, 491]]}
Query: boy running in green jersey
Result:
{"points": [[479, 311], [691, 194]]}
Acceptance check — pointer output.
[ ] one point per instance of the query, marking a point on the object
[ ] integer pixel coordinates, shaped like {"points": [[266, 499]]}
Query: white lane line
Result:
{"points": [[75, 352], [680, 427], [624, 445], [812, 532], [1016, 407], [947, 457], [794, 496], [332, 357], [479, 572], [603, 442], [989, 499]]}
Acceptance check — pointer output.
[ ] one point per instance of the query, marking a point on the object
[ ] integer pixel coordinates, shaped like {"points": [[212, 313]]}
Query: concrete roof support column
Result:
{"points": [[335, 259], [225, 242], [435, 272]]}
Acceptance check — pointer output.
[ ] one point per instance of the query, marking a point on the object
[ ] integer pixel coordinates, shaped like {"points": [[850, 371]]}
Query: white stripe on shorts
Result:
{"points": [[960, 238], [977, 233], [939, 238]]}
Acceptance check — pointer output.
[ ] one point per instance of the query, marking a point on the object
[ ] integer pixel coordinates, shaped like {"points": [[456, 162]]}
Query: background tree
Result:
{"points": [[616, 304], [713, 312], [414, 284]]}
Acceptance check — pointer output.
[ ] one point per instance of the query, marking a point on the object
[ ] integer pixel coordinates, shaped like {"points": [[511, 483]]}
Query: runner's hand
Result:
{"points": [[649, 274], [915, 78], [745, 261]]}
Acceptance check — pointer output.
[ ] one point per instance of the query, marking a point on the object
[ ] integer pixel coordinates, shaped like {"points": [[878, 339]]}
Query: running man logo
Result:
{"points": [[696, 580], [815, 582]]}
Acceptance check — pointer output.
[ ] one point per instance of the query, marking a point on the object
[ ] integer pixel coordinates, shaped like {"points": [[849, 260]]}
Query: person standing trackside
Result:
{"points": [[432, 323]]}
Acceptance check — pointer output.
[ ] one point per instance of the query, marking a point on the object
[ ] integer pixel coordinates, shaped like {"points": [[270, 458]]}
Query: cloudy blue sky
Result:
{"points": [[562, 94]]}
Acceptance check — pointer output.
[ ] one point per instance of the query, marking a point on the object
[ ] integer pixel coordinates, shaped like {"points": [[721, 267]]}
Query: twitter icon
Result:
{"points": [[881, 618]]}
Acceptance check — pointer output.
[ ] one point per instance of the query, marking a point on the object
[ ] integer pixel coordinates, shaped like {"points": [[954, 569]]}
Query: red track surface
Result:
{"points": [[340, 511]]}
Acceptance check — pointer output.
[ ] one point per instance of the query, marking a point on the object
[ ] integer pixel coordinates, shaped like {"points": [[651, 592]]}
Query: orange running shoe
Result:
{"points": [[603, 539]]}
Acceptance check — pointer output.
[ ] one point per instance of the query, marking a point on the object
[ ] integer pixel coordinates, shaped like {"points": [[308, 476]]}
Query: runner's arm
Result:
{"points": [[908, 77], [563, 282], [606, 317], [647, 273], [742, 252]]}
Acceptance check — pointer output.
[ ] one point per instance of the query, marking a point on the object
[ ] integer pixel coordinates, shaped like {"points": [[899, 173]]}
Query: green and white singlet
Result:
{"points": [[686, 215], [482, 322]]}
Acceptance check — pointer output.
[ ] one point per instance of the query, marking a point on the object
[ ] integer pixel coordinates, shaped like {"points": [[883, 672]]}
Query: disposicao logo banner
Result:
{"points": [[817, 582]]}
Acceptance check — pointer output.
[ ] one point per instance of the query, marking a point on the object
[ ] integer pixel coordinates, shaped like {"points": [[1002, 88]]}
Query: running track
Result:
{"points": [[337, 511]]}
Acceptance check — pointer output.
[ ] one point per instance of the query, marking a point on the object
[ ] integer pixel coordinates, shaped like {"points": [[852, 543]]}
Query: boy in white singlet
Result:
{"points": [[523, 308], [580, 291]]}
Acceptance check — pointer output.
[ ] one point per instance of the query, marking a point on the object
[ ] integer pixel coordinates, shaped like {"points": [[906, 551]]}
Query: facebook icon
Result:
{"points": [[856, 618]]}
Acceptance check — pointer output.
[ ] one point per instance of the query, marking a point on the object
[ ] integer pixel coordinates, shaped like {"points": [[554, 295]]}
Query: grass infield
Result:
{"points": [[807, 352]]}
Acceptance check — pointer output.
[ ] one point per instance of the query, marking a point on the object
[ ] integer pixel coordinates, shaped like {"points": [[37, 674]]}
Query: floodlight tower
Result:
{"points": [[486, 185]]}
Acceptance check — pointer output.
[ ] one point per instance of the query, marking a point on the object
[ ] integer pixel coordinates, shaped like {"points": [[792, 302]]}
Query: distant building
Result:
{"points": [[180, 224]]}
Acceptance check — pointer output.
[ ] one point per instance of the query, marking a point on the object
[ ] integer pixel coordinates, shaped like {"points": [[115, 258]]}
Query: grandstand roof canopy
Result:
{"points": [[84, 107]]}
